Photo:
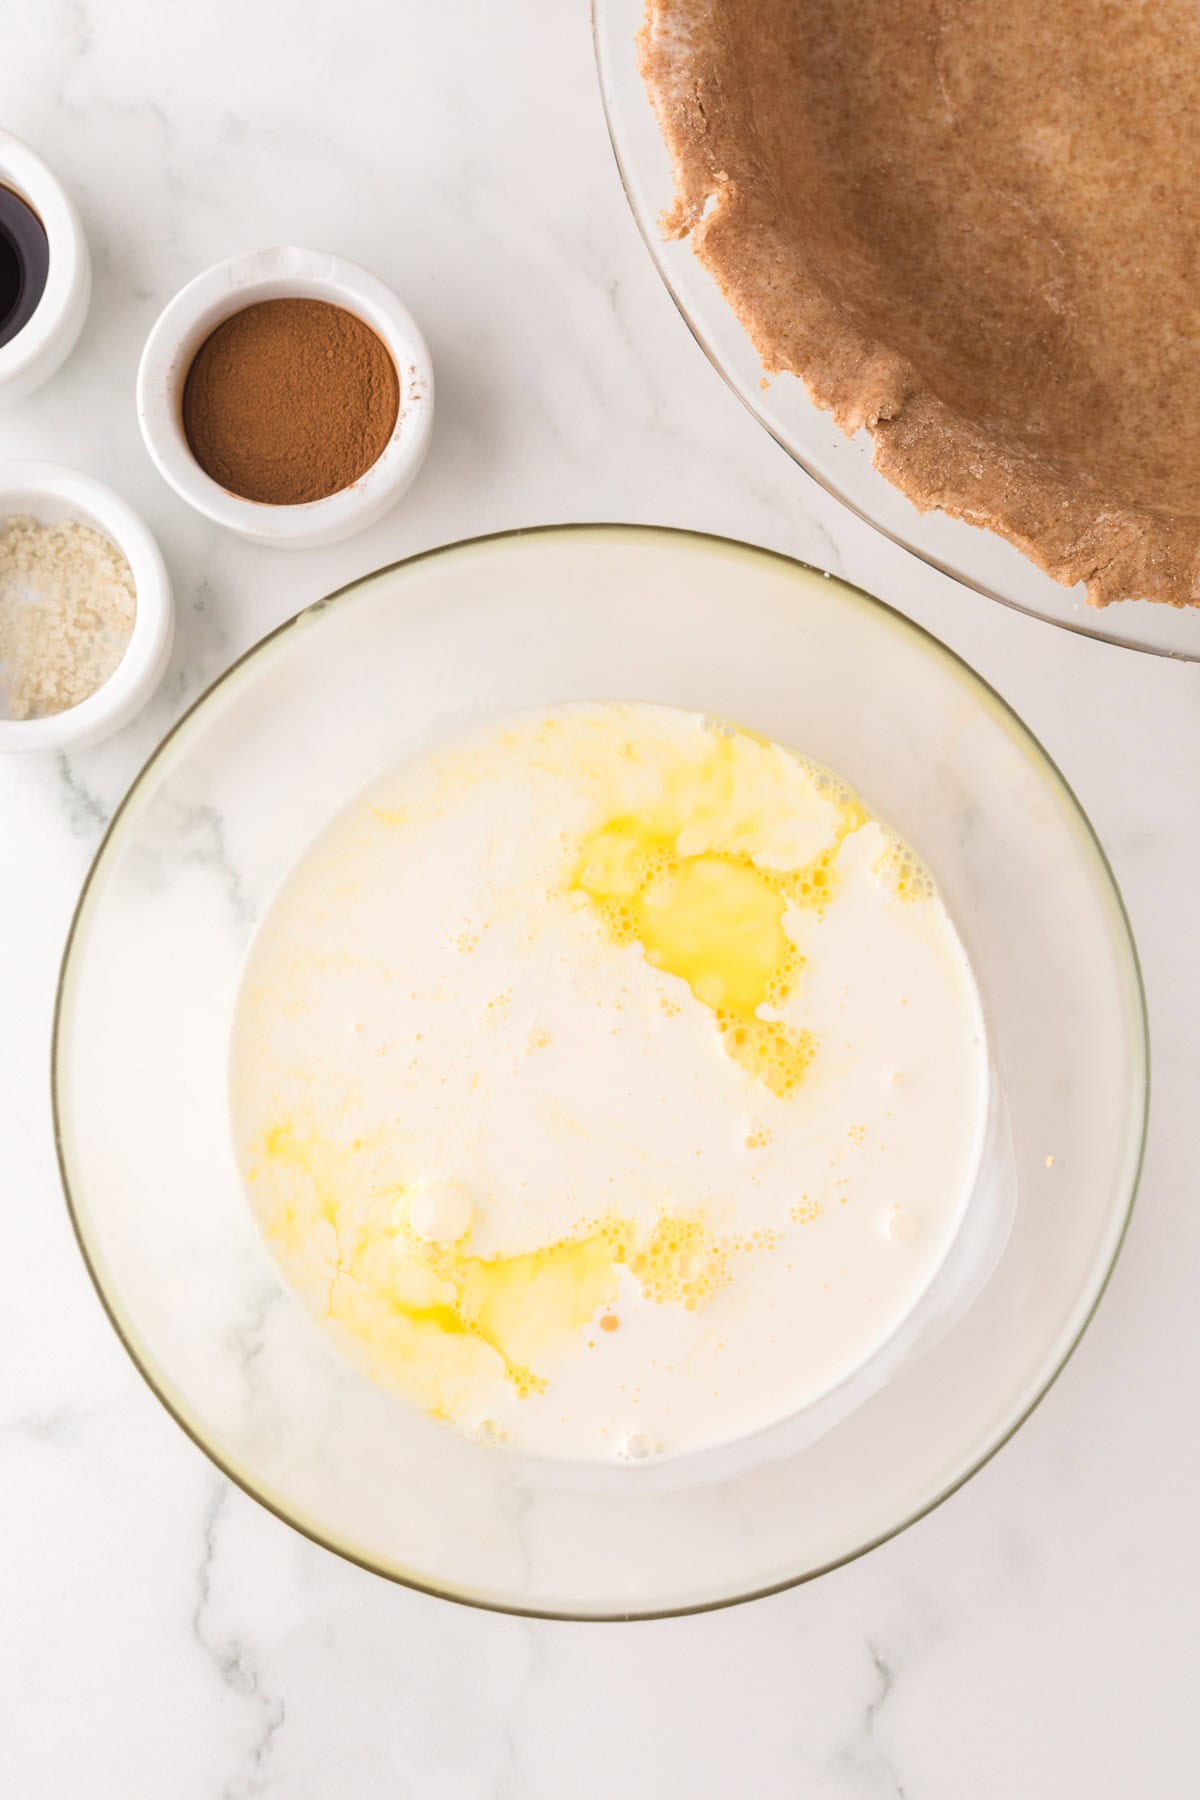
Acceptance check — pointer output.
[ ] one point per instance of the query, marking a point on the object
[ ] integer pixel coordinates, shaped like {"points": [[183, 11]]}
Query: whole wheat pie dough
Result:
{"points": [[972, 226]]}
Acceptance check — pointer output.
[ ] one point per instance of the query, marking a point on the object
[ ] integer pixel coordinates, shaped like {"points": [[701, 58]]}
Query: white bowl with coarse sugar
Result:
{"points": [[86, 616]]}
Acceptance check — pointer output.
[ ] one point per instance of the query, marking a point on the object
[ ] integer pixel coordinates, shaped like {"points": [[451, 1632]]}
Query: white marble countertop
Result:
{"points": [[162, 1636]]}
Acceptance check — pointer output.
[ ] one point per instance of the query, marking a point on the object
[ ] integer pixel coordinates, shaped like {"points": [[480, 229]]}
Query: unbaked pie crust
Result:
{"points": [[973, 228]]}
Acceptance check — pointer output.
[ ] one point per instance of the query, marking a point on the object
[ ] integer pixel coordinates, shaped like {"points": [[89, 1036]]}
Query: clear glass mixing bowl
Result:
{"points": [[978, 558], [385, 668]]}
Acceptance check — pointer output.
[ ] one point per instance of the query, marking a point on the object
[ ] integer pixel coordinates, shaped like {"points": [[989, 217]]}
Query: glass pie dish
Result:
{"points": [[392, 665], [978, 558]]}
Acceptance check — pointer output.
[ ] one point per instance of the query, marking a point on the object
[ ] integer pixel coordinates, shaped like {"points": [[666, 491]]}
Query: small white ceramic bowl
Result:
{"points": [[50, 493], [44, 343], [281, 274]]}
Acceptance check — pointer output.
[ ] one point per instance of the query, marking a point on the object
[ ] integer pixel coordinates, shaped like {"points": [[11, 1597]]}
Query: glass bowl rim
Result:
{"points": [[933, 646]]}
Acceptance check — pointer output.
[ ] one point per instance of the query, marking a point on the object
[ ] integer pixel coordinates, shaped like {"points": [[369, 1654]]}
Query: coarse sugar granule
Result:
{"points": [[67, 607]]}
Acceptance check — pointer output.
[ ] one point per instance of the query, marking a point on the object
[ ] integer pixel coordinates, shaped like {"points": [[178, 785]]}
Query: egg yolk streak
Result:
{"points": [[424, 1312], [713, 916]]}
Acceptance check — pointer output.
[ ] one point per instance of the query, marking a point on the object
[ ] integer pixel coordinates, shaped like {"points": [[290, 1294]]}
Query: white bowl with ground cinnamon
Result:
{"points": [[86, 616], [287, 395]]}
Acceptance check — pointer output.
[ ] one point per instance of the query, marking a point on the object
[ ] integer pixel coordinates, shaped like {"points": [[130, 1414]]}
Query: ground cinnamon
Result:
{"points": [[290, 401]]}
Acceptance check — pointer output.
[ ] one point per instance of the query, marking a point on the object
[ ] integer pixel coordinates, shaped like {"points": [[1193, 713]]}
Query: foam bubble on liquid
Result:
{"points": [[900, 1226], [440, 1212], [489, 1432], [636, 1446], [716, 726]]}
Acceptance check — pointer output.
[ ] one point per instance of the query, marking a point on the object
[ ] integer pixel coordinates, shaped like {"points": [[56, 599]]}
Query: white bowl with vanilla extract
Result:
{"points": [[45, 271]]}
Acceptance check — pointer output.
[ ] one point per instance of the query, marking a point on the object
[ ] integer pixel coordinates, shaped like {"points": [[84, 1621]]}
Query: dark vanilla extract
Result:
{"points": [[24, 264]]}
